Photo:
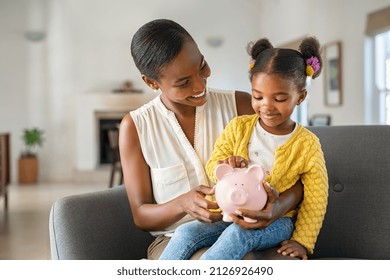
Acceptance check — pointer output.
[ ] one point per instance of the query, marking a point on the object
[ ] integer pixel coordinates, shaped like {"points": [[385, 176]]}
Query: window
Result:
{"points": [[377, 68], [382, 73], [381, 79]]}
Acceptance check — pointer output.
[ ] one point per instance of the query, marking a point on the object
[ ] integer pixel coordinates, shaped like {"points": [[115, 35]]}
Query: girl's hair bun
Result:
{"points": [[310, 50], [255, 48]]}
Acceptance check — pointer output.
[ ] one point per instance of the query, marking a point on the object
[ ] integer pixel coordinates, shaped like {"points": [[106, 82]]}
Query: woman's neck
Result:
{"points": [[181, 111]]}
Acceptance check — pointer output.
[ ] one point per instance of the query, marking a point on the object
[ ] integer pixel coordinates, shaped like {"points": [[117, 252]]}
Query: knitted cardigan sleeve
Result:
{"points": [[315, 197], [232, 142]]}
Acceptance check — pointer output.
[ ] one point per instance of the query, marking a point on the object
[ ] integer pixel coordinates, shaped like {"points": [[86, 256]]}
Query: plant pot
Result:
{"points": [[28, 170]]}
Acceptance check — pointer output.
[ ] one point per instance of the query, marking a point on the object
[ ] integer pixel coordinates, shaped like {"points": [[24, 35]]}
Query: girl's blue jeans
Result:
{"points": [[228, 241]]}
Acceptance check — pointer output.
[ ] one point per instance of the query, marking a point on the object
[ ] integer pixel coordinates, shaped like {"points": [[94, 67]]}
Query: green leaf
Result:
{"points": [[33, 138]]}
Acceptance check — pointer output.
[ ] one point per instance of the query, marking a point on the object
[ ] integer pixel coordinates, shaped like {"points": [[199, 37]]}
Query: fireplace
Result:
{"points": [[91, 109], [106, 121]]}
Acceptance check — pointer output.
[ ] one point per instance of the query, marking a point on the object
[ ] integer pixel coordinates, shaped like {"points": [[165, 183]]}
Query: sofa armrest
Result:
{"points": [[96, 226]]}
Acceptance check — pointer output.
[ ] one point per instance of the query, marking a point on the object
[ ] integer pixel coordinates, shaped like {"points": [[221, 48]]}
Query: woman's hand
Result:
{"points": [[235, 162], [271, 212], [196, 204], [293, 249], [277, 206]]}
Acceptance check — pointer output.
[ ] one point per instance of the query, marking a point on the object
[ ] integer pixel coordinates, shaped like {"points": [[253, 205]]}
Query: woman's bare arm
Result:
{"points": [[146, 213], [243, 103]]}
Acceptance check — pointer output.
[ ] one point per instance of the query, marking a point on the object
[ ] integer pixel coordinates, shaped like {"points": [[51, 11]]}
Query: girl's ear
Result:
{"points": [[151, 83], [302, 96], [222, 169]]}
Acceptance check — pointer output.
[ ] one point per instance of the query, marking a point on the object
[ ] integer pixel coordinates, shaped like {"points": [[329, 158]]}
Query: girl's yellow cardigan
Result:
{"points": [[301, 157]]}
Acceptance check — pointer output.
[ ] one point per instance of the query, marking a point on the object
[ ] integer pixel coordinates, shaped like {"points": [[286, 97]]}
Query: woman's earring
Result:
{"points": [[156, 90]]}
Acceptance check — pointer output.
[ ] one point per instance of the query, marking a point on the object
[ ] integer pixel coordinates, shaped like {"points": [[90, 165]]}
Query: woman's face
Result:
{"points": [[274, 100], [183, 81]]}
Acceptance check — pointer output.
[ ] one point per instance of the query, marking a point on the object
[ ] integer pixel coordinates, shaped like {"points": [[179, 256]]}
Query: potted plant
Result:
{"points": [[28, 161]]}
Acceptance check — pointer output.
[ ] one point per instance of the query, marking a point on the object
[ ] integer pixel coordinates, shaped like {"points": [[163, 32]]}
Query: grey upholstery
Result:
{"points": [[96, 226], [357, 223]]}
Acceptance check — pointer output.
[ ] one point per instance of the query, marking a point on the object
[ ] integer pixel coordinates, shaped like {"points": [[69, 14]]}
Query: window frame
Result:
{"points": [[376, 91]]}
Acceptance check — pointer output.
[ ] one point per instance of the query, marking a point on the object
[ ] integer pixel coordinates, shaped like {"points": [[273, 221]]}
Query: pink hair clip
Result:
{"points": [[312, 66]]}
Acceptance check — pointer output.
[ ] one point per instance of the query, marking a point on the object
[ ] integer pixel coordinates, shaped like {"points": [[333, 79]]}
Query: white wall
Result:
{"points": [[13, 73], [86, 50]]}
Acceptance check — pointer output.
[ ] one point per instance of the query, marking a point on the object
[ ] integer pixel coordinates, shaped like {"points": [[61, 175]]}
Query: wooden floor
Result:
{"points": [[24, 228]]}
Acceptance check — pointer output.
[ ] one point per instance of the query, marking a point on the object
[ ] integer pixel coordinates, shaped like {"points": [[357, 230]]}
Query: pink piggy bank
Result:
{"points": [[239, 188]]}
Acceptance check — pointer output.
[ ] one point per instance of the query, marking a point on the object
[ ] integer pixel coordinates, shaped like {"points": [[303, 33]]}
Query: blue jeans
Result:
{"points": [[228, 241]]}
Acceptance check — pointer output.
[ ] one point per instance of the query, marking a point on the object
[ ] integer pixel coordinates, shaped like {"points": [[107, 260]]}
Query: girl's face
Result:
{"points": [[274, 100], [183, 81]]}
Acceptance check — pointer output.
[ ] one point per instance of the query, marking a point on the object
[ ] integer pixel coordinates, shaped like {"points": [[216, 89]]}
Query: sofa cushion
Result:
{"points": [[357, 221]]}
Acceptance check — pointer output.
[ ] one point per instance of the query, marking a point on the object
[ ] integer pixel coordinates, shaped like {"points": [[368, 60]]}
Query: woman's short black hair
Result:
{"points": [[156, 44]]}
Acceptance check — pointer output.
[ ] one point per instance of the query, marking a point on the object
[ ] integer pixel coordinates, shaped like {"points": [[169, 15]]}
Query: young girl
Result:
{"points": [[287, 151]]}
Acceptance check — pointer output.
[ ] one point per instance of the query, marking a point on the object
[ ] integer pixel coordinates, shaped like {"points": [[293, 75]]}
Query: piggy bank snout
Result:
{"points": [[238, 196]]}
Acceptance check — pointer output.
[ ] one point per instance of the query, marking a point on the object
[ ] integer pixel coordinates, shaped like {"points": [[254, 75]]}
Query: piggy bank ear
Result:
{"points": [[222, 169], [256, 171]]}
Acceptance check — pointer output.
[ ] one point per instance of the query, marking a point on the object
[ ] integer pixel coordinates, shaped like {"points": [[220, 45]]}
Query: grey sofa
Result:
{"points": [[99, 225]]}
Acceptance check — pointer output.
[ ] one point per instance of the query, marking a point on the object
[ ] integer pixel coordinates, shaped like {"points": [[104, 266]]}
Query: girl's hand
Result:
{"points": [[198, 206], [293, 249], [235, 162], [271, 212]]}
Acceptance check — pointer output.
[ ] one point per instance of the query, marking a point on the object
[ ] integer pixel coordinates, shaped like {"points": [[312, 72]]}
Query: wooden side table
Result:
{"points": [[4, 167]]}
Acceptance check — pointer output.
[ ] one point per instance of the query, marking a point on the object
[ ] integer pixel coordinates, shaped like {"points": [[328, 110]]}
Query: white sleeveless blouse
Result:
{"points": [[175, 166]]}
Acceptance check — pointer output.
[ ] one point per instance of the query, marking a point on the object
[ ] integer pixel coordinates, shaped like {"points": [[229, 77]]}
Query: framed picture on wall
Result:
{"points": [[333, 74]]}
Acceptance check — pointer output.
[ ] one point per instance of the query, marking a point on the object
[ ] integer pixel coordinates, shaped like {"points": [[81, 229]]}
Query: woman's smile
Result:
{"points": [[199, 95], [198, 99]]}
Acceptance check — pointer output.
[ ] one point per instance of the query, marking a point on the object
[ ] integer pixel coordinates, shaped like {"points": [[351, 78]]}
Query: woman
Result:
{"points": [[165, 144]]}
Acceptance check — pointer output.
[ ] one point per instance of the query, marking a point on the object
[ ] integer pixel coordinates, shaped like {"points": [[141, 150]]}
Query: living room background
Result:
{"points": [[84, 53]]}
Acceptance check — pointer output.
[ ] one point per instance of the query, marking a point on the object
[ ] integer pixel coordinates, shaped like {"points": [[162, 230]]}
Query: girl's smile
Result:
{"points": [[274, 100]]}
